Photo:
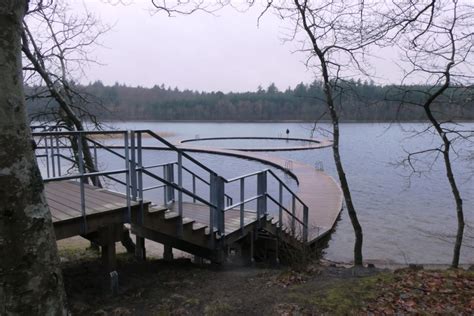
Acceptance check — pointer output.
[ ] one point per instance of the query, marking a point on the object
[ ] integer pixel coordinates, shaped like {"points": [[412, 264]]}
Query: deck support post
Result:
{"points": [[167, 253], [140, 250], [107, 239]]}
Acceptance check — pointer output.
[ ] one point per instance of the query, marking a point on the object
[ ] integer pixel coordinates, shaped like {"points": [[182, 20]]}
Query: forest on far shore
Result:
{"points": [[358, 100]]}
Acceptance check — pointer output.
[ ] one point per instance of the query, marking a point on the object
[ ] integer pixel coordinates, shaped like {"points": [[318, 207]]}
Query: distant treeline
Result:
{"points": [[359, 101]]}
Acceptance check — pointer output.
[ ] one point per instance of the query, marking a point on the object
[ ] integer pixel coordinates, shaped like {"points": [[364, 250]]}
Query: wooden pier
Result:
{"points": [[208, 226]]}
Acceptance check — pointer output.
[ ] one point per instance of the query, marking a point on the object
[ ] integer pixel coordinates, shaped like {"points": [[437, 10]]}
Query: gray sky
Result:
{"points": [[198, 52]]}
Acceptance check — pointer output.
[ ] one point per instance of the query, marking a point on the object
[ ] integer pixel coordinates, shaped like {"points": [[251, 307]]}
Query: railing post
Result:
{"points": [[81, 183], [133, 166], [58, 155], [140, 175], [47, 155], [194, 188], [242, 198], [217, 198], [280, 208], [305, 221], [293, 217], [180, 193], [169, 176], [262, 191], [52, 156], [127, 175]]}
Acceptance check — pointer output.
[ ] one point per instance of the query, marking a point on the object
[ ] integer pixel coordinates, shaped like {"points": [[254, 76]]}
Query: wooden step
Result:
{"points": [[155, 210], [169, 215], [198, 226], [187, 221]]}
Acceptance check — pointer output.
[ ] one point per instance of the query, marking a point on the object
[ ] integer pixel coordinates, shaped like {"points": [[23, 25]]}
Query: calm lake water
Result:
{"points": [[406, 218]]}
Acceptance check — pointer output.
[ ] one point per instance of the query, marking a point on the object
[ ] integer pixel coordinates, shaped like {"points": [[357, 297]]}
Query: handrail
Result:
{"points": [[170, 145], [244, 202], [286, 210], [85, 175], [135, 169], [244, 176], [175, 186]]}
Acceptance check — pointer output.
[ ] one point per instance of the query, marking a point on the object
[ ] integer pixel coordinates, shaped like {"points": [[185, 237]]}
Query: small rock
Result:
{"points": [[371, 266]]}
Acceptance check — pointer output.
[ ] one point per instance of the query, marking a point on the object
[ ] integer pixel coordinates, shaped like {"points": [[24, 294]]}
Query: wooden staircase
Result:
{"points": [[163, 224]]}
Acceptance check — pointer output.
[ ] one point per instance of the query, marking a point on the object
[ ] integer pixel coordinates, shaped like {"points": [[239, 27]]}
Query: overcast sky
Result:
{"points": [[201, 52]]}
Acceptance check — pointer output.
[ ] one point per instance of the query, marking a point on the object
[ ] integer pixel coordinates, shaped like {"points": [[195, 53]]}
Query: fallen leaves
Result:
{"points": [[425, 292]]}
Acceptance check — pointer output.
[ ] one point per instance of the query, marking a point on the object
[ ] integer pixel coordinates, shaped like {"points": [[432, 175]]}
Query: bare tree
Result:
{"points": [[30, 277], [438, 48], [334, 34], [57, 48]]}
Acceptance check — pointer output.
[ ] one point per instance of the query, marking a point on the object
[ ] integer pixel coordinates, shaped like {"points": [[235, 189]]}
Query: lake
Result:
{"points": [[406, 217]]}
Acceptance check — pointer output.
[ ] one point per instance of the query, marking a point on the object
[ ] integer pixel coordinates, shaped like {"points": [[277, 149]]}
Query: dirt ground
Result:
{"points": [[156, 287]]}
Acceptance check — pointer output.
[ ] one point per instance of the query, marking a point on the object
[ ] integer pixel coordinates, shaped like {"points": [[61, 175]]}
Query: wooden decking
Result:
{"points": [[319, 191], [102, 208]]}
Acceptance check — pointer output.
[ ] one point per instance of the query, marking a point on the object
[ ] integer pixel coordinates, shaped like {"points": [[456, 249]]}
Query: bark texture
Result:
{"points": [[30, 277]]}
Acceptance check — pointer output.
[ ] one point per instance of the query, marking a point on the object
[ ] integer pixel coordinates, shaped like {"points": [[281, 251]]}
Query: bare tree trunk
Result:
{"points": [[449, 171], [30, 277], [358, 259]]}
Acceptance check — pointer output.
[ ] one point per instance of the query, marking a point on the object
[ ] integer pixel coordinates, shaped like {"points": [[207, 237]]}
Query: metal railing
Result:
{"points": [[168, 177]]}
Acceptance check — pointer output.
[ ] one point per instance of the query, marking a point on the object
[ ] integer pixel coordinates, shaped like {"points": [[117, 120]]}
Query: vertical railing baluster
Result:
{"points": [[262, 193], [127, 175], [133, 166], [96, 166], [280, 208], [58, 155], [242, 199], [165, 176], [194, 188], [81, 184], [306, 224], [293, 212], [140, 175], [52, 156], [180, 193], [45, 140]]}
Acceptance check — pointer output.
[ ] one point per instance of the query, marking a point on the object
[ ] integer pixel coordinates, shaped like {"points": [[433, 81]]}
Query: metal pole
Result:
{"points": [[280, 209], [305, 221], [133, 166], [140, 175], [58, 155], [165, 176], [262, 191], [127, 176], [242, 199], [47, 154], [52, 155], [95, 157], [180, 183], [194, 188], [81, 181], [293, 212]]}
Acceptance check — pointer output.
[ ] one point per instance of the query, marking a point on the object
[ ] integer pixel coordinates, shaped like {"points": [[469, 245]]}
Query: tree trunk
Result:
{"points": [[30, 277], [358, 260]]}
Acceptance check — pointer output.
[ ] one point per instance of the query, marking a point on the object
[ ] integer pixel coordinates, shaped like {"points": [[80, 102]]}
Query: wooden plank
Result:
{"points": [[89, 195]]}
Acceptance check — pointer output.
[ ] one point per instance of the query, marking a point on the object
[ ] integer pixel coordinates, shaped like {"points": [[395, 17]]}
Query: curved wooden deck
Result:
{"points": [[311, 143], [319, 191]]}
